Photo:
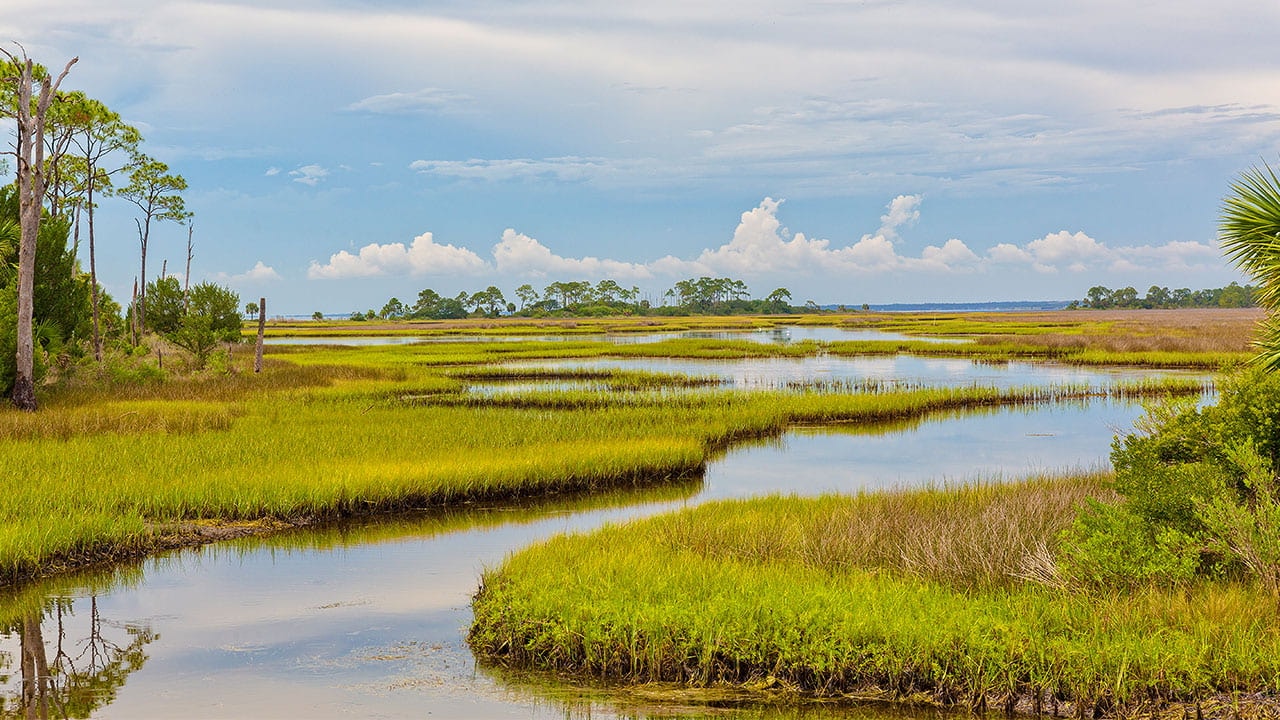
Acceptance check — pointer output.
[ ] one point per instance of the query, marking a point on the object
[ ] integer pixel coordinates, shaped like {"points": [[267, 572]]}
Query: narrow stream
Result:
{"points": [[368, 619]]}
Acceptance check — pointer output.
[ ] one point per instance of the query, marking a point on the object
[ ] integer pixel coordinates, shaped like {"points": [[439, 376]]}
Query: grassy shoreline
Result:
{"points": [[904, 596]]}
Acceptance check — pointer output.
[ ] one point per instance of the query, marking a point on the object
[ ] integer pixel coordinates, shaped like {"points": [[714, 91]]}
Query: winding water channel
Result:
{"points": [[368, 619], [776, 335]]}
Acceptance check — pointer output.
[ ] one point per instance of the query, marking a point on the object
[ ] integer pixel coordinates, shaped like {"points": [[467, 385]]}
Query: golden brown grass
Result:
{"points": [[968, 535], [1189, 330]]}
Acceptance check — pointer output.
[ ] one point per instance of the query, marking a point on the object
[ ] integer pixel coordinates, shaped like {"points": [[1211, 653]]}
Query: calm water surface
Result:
{"points": [[891, 370], [368, 619], [778, 335]]}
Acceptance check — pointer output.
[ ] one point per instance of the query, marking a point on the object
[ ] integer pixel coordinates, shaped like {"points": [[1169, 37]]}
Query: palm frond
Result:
{"points": [[10, 236], [1249, 230], [1267, 342]]}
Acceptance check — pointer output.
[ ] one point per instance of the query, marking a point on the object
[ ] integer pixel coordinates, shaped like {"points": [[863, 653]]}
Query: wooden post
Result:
{"points": [[262, 326]]}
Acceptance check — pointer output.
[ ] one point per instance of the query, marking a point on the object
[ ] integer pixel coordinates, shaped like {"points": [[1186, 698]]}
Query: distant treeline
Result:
{"points": [[1231, 296], [704, 295]]}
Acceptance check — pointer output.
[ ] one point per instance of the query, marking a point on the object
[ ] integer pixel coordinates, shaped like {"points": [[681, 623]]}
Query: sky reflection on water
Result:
{"points": [[368, 619], [892, 370], [772, 336]]}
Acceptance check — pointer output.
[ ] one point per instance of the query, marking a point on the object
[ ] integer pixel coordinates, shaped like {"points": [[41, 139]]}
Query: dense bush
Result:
{"points": [[1199, 494]]}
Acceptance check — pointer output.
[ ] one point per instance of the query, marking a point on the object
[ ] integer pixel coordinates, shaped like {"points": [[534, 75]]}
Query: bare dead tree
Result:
{"points": [[186, 282], [30, 114]]}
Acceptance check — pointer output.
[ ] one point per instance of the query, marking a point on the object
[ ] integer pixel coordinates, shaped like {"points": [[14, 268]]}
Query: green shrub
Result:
{"points": [[9, 342], [1199, 495]]}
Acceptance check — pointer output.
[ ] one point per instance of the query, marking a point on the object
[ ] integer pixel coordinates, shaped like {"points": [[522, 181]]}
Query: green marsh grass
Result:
{"points": [[516, 327], [107, 466], [1157, 339], [340, 434], [900, 595], [116, 466]]}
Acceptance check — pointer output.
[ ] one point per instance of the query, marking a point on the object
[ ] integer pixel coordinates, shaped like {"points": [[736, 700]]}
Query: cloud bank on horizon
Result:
{"points": [[762, 247]]}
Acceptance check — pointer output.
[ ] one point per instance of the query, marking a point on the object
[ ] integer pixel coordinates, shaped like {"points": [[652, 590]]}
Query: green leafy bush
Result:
{"points": [[1200, 496], [9, 342]]}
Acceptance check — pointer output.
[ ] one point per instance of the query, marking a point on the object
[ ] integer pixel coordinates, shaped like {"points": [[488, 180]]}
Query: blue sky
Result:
{"points": [[340, 152]]}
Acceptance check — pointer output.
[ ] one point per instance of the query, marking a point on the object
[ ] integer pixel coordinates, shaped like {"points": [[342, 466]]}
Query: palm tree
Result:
{"points": [[1250, 235], [9, 236]]}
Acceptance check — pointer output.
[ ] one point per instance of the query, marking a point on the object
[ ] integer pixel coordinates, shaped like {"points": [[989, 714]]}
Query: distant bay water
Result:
{"points": [[1009, 306]]}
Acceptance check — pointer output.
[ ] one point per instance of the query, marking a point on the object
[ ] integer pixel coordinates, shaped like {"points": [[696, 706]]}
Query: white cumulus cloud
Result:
{"points": [[759, 244], [903, 211], [953, 255], [762, 246], [1078, 252], [309, 174], [259, 273], [520, 254], [871, 253], [423, 257]]}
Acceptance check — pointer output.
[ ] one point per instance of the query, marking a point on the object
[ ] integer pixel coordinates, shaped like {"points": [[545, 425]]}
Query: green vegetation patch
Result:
{"points": [[810, 595], [341, 432]]}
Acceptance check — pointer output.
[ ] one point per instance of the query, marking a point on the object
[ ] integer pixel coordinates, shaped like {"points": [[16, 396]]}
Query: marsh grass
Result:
{"points": [[513, 327], [1126, 335], [120, 451], [87, 479], [1171, 343], [900, 595], [825, 597], [121, 417], [1067, 350], [969, 535]]}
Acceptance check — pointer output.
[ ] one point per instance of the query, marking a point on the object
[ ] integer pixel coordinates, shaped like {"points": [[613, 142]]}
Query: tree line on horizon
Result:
{"points": [[1100, 297], [704, 295]]}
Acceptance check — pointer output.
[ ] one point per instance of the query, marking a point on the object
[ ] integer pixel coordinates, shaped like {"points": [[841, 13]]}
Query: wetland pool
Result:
{"points": [[781, 335], [368, 619], [888, 371]]}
